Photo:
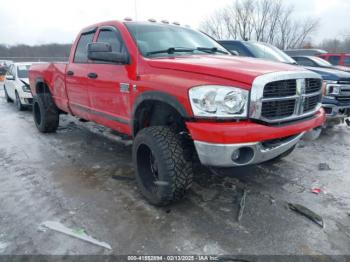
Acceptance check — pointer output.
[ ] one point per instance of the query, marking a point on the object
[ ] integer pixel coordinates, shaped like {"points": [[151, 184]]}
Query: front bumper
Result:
{"points": [[250, 153], [216, 142], [336, 112], [336, 109]]}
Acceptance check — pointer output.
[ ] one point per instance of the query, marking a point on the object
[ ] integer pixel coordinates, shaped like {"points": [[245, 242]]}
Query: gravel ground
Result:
{"points": [[82, 176]]}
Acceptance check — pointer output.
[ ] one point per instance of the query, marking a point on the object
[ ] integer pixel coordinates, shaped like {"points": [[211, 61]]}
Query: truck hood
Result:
{"points": [[342, 68], [330, 74], [239, 69]]}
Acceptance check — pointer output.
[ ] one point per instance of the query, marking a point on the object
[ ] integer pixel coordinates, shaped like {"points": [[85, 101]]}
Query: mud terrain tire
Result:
{"points": [[46, 114], [162, 172]]}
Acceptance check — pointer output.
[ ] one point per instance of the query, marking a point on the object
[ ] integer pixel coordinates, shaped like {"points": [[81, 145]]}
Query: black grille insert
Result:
{"points": [[313, 85], [278, 109], [311, 103], [280, 88], [343, 98]]}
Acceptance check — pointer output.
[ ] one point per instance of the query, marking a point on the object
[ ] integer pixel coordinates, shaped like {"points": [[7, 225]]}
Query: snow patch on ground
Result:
{"points": [[3, 247]]}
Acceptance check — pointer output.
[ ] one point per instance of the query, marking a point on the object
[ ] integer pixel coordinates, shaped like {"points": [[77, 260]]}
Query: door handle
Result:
{"points": [[92, 75], [70, 73]]}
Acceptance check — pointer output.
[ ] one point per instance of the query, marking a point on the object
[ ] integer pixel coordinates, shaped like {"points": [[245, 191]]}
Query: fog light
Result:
{"points": [[235, 155], [243, 155]]}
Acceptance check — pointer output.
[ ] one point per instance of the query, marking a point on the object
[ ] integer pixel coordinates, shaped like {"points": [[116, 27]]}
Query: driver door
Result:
{"points": [[110, 86]]}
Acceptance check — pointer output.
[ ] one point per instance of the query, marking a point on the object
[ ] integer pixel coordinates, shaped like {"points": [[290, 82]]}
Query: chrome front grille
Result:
{"points": [[285, 96], [344, 95], [277, 109], [312, 85], [339, 90], [280, 88], [311, 103]]}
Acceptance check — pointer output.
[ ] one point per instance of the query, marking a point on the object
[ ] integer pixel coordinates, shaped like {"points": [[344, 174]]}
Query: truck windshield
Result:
{"points": [[165, 40], [22, 71], [269, 52]]}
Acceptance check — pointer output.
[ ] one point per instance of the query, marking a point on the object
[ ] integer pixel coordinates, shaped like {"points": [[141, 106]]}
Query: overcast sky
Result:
{"points": [[46, 21]]}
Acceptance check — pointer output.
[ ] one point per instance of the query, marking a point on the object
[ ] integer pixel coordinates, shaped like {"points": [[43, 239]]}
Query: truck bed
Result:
{"points": [[54, 75]]}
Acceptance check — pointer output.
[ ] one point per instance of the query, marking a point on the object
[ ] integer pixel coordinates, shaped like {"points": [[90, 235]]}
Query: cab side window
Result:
{"points": [[347, 61], [113, 38], [334, 60], [81, 55]]}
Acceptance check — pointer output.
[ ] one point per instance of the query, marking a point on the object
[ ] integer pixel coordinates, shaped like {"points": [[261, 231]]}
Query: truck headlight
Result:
{"points": [[26, 88], [219, 101], [334, 89], [331, 88]]}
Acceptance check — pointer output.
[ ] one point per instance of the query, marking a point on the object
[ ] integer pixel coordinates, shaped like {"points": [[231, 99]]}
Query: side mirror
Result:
{"points": [[10, 77], [103, 52]]}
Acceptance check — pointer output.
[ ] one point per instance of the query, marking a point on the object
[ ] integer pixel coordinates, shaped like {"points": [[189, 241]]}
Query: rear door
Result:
{"points": [[347, 60], [77, 77], [334, 59], [109, 86]]}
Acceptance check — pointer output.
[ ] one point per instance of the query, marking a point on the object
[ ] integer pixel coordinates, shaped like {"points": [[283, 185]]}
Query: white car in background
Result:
{"points": [[16, 85]]}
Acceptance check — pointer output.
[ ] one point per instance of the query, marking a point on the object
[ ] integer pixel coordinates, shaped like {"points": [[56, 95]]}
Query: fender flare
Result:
{"points": [[37, 81], [160, 97]]}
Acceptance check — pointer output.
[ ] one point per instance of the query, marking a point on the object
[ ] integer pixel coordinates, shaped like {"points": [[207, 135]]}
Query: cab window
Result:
{"points": [[334, 60], [113, 38], [81, 55], [347, 60]]}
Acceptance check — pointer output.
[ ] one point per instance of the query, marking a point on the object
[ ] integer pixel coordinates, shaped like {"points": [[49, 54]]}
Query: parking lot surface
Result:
{"points": [[82, 176]]}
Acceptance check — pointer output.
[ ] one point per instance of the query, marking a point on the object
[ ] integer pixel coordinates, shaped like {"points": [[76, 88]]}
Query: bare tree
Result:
{"points": [[34, 53], [336, 45], [270, 21], [262, 19], [215, 27], [244, 17]]}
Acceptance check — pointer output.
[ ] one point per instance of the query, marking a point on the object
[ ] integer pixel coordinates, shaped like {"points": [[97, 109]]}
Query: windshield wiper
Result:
{"points": [[211, 50], [171, 50]]}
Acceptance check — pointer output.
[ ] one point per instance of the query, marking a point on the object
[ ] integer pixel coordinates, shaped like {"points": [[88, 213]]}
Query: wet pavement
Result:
{"points": [[82, 176]]}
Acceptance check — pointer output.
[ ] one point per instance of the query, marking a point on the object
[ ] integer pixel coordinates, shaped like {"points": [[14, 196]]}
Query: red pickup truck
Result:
{"points": [[181, 96], [341, 60]]}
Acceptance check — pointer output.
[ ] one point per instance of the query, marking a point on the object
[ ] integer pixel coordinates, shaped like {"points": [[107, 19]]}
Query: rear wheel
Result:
{"points": [[19, 105], [8, 99], [45, 113], [162, 172]]}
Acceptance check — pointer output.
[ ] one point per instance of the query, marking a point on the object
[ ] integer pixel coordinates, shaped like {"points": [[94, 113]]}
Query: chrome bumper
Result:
{"points": [[220, 155]]}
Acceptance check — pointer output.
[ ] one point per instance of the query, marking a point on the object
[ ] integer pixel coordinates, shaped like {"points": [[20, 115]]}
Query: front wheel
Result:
{"points": [[162, 172], [46, 114], [19, 104]]}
